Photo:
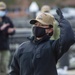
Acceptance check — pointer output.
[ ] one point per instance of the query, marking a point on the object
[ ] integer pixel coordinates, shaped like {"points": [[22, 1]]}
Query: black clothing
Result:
{"points": [[4, 35], [39, 57]]}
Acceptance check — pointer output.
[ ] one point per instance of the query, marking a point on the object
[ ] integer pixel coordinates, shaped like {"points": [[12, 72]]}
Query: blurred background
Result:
{"points": [[22, 11]]}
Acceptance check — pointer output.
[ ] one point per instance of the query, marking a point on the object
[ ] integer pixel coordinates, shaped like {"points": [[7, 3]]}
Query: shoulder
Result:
{"points": [[21, 48], [24, 44], [6, 17]]}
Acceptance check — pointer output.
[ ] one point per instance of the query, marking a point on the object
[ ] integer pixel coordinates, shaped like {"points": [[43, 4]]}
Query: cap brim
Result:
{"points": [[33, 21]]}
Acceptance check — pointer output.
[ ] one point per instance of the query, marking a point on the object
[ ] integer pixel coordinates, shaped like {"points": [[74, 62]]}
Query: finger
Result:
{"points": [[59, 12], [56, 19], [59, 9]]}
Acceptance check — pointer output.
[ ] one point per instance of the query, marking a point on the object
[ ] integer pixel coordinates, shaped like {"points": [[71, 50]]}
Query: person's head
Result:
{"points": [[2, 9], [43, 25], [45, 8]]}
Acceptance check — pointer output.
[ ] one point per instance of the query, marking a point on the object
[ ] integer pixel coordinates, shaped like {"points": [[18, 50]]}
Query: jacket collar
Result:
{"points": [[35, 41]]}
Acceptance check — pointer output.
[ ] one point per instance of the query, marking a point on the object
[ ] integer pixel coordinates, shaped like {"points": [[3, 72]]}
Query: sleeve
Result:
{"points": [[66, 39], [10, 22], [11, 25], [14, 67], [15, 64]]}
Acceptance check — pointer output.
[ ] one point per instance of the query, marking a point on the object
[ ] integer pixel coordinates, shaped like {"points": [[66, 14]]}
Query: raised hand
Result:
{"points": [[59, 13]]}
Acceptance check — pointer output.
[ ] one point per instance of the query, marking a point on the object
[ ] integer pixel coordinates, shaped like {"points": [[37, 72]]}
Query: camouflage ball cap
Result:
{"points": [[2, 5], [44, 18]]}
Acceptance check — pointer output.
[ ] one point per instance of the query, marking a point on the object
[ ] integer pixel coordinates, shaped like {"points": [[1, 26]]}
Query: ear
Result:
{"points": [[50, 30]]}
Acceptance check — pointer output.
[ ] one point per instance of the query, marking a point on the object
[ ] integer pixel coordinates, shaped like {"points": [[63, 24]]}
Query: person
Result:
{"points": [[6, 29], [44, 8], [56, 29], [39, 55]]}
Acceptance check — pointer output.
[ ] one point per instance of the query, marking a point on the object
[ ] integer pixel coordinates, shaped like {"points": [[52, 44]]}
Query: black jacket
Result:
{"points": [[40, 57], [4, 36]]}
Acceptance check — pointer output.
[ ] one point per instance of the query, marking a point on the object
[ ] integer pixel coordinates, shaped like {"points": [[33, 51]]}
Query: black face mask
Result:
{"points": [[38, 31]]}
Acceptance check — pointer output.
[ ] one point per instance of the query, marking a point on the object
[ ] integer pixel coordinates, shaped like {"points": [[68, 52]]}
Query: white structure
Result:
{"points": [[34, 7]]}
